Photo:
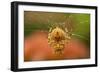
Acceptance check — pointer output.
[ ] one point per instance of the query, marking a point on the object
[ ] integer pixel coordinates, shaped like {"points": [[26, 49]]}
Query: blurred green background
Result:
{"points": [[77, 23]]}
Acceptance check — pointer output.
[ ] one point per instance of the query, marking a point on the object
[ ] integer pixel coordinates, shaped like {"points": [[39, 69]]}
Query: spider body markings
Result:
{"points": [[57, 39]]}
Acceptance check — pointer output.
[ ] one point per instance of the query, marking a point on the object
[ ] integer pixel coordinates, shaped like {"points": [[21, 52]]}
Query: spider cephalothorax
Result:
{"points": [[57, 38]]}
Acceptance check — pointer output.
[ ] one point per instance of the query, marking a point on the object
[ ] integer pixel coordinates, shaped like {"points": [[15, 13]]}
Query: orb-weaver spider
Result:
{"points": [[57, 38]]}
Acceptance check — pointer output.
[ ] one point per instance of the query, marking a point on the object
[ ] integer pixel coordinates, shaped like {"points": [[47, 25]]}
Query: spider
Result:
{"points": [[57, 38]]}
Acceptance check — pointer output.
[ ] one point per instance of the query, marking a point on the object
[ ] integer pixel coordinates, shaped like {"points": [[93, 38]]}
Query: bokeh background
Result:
{"points": [[37, 25]]}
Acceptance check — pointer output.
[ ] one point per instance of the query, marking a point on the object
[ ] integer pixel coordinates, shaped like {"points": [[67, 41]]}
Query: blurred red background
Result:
{"points": [[37, 48]]}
